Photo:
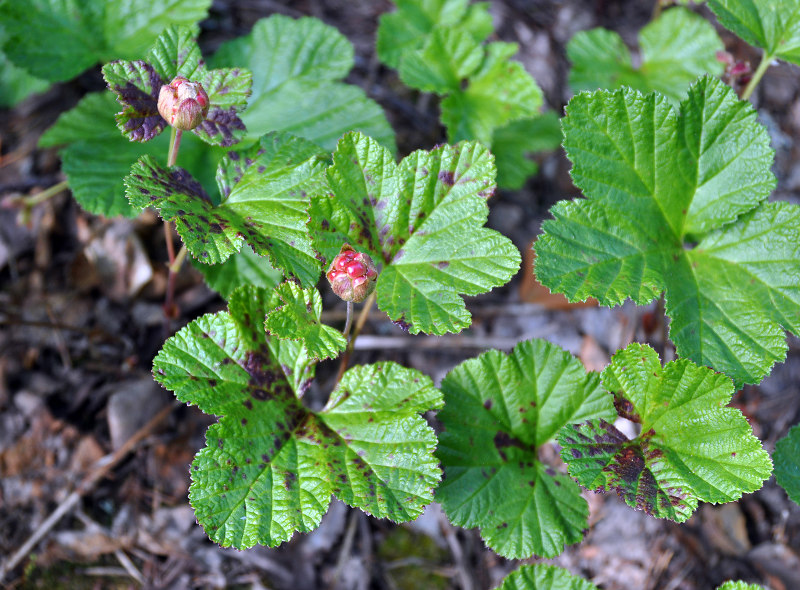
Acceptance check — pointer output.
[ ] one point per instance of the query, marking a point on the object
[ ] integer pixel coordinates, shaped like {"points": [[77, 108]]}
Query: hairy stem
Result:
{"points": [[170, 311], [362, 319], [766, 60]]}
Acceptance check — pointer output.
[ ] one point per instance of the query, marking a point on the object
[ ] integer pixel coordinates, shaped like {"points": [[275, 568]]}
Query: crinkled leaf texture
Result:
{"points": [[422, 221], [296, 316], [97, 158], [242, 268], [408, 28], [297, 68], [787, 463], [137, 85], [772, 25], [544, 577], [676, 203], [270, 465], [676, 48], [692, 447], [58, 39], [264, 203], [499, 410]]}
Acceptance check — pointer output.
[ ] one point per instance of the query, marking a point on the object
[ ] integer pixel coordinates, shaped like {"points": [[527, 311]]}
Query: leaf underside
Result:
{"points": [[270, 465], [422, 221], [676, 203], [692, 447], [499, 410]]}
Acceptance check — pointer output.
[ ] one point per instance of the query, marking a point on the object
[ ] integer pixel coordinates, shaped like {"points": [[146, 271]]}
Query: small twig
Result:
{"points": [[464, 577], [126, 562], [101, 469], [362, 319], [347, 545]]}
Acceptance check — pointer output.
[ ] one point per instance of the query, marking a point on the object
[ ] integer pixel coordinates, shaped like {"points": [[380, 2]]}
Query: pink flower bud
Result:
{"points": [[352, 275], [183, 104]]}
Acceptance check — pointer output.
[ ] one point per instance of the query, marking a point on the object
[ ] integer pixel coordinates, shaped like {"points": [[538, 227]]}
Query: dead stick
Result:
{"points": [[102, 467]]}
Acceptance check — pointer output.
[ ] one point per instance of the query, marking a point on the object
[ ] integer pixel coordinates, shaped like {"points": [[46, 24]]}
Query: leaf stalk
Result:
{"points": [[766, 60], [362, 319]]}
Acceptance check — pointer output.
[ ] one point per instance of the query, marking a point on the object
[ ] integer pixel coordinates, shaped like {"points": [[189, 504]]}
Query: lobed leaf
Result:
{"points": [[81, 33], [787, 463], [296, 316], [499, 411], [691, 448], [242, 268], [422, 220], [513, 144], [772, 25], [264, 203], [544, 577], [675, 204], [448, 57], [270, 464], [407, 29], [297, 68], [676, 49]]}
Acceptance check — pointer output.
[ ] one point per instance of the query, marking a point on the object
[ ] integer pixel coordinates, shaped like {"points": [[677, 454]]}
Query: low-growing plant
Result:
{"points": [[675, 182]]}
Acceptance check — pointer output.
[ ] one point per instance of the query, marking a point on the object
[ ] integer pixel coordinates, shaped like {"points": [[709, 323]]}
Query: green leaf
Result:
{"points": [[448, 57], [422, 220], [137, 85], [739, 585], [242, 268], [270, 464], [409, 27], [787, 463], [499, 411], [513, 144], [58, 39], [675, 203], [772, 25], [544, 577], [15, 83], [264, 203], [297, 68], [691, 448], [676, 48], [296, 316], [498, 93], [97, 157]]}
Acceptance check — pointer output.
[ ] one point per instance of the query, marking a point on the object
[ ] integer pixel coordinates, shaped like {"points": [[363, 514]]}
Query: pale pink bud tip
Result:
{"points": [[352, 275], [183, 104]]}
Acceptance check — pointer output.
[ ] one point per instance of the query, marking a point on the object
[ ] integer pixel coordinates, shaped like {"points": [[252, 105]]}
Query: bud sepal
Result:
{"points": [[183, 104]]}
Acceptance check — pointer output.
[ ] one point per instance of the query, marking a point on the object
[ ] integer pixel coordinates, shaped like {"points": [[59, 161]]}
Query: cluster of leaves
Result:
{"points": [[439, 47], [676, 49]]}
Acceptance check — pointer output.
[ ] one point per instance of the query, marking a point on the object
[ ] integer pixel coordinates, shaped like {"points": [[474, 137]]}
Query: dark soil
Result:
{"points": [[77, 338]]}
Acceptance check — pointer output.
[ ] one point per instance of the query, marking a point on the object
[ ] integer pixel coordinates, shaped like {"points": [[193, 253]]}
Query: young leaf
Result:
{"points": [[408, 28], [663, 189], [296, 316], [513, 144], [58, 39], [423, 221], [270, 464], [97, 157], [448, 57], [137, 85], [297, 68], [499, 410], [544, 577], [787, 463], [243, 268], [772, 25], [264, 202], [739, 585], [499, 92], [691, 448], [676, 48]]}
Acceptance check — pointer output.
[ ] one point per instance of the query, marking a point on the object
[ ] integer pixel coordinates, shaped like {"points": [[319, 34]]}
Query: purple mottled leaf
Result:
{"points": [[136, 84]]}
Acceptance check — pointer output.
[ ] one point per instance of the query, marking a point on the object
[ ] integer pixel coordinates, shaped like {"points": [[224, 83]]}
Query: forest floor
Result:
{"points": [[77, 342]]}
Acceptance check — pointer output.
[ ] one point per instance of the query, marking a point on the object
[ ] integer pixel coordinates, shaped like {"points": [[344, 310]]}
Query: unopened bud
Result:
{"points": [[183, 104], [352, 275]]}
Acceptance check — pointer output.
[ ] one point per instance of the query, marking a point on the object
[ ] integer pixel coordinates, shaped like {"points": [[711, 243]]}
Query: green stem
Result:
{"points": [[656, 10], [170, 310], [766, 60], [42, 196], [349, 318], [175, 267], [174, 146], [362, 319]]}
